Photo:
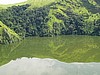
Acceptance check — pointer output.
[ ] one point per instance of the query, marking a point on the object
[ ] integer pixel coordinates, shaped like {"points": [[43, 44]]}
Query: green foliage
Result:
{"points": [[61, 17], [91, 5], [7, 35], [39, 3]]}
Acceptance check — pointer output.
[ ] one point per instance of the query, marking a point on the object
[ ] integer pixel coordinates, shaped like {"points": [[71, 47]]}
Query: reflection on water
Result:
{"points": [[37, 66], [63, 48]]}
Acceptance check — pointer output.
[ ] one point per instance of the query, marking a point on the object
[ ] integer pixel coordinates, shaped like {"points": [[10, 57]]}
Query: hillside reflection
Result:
{"points": [[63, 48]]}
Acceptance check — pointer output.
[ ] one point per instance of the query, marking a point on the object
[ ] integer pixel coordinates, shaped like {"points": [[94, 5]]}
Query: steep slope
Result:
{"points": [[7, 35], [39, 3], [61, 17], [78, 17], [33, 3], [5, 6]]}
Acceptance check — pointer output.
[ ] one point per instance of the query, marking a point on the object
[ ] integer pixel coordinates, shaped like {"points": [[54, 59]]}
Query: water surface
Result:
{"points": [[37, 66], [63, 48]]}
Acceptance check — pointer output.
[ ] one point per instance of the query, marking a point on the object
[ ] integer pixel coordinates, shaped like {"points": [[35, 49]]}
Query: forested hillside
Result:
{"points": [[7, 35], [61, 17]]}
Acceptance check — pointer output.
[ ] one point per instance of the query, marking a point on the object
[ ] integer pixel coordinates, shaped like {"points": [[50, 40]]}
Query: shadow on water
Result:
{"points": [[63, 48]]}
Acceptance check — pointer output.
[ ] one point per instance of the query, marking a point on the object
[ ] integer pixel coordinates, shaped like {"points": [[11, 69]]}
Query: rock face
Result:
{"points": [[7, 35]]}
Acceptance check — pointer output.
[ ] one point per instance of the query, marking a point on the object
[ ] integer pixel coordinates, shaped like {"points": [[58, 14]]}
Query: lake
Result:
{"points": [[68, 49], [37, 66]]}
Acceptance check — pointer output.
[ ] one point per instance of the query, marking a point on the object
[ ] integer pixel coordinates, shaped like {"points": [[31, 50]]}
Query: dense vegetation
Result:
{"points": [[63, 17], [7, 35]]}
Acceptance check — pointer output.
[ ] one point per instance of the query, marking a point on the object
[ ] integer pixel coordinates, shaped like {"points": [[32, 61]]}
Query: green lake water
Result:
{"points": [[63, 48], [61, 55]]}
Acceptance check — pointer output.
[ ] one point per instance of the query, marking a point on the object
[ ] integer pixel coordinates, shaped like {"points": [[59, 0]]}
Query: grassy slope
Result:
{"points": [[5, 31], [9, 5], [78, 6], [75, 6], [88, 9], [34, 3], [40, 3]]}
